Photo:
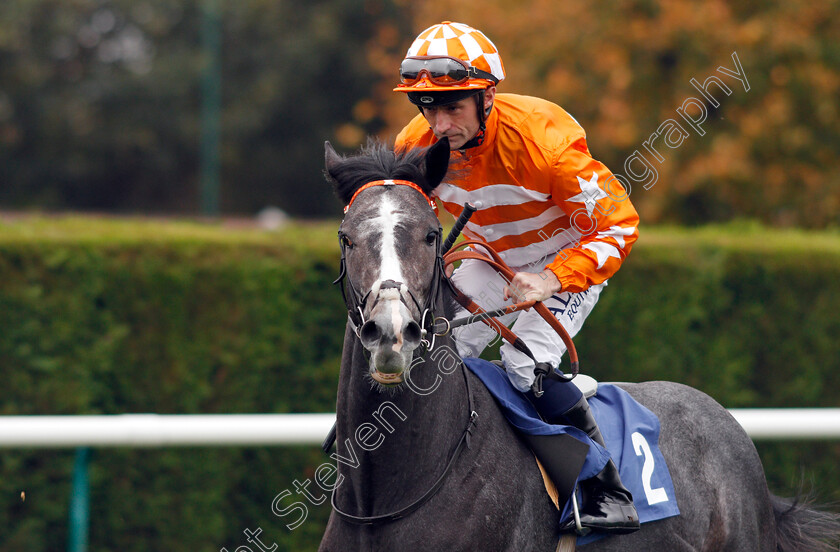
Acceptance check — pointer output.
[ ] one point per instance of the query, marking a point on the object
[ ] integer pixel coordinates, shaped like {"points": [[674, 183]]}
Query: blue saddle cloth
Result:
{"points": [[630, 430]]}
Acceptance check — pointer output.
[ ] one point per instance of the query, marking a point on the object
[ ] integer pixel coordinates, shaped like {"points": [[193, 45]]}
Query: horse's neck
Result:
{"points": [[392, 446]]}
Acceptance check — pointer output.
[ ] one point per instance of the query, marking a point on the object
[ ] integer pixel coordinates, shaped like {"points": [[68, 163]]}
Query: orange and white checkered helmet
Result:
{"points": [[460, 42]]}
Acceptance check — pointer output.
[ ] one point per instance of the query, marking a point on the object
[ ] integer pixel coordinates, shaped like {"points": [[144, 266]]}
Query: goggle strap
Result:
{"points": [[479, 74]]}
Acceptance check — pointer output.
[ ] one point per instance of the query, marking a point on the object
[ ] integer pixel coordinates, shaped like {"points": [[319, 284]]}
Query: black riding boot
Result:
{"points": [[606, 504]]}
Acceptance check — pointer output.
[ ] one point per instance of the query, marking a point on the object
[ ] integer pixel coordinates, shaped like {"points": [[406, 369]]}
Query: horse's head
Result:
{"points": [[390, 242]]}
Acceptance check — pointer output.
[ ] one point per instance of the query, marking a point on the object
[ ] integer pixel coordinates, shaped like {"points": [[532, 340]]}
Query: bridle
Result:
{"points": [[432, 326], [356, 308], [357, 304]]}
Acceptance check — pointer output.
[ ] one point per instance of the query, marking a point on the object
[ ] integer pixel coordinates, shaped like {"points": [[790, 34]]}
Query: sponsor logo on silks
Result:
{"points": [[427, 99], [576, 300]]}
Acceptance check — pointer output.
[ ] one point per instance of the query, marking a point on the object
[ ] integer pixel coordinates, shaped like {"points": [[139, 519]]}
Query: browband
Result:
{"points": [[392, 183]]}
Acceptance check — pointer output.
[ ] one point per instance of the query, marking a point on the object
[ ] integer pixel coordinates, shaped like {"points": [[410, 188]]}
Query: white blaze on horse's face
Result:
{"points": [[390, 332], [388, 219]]}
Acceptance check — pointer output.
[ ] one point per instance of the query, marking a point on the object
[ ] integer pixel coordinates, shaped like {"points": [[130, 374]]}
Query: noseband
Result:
{"points": [[357, 304]]}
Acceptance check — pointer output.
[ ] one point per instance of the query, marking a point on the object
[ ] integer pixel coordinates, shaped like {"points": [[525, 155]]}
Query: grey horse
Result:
{"points": [[427, 462]]}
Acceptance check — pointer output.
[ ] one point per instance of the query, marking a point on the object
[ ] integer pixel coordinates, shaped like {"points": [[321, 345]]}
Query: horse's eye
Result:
{"points": [[346, 241], [431, 237]]}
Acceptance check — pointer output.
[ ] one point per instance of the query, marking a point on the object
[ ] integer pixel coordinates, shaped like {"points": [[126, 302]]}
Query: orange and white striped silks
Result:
{"points": [[543, 201]]}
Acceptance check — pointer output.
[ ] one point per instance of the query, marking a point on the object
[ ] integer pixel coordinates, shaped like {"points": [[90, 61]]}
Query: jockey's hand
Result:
{"points": [[527, 286]]}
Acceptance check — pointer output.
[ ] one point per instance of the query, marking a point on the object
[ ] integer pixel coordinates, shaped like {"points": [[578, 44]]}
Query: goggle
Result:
{"points": [[443, 71]]}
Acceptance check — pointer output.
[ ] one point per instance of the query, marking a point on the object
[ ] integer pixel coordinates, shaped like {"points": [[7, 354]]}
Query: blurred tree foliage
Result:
{"points": [[99, 99], [622, 68]]}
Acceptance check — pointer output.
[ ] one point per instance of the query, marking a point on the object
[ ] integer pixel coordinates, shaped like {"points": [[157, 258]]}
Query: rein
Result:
{"points": [[478, 314], [402, 512]]}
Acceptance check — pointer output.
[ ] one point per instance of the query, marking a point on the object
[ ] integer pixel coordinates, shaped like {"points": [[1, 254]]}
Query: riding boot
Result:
{"points": [[606, 504]]}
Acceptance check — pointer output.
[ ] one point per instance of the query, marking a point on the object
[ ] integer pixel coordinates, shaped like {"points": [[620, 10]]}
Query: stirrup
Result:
{"points": [[576, 524], [609, 508], [579, 529]]}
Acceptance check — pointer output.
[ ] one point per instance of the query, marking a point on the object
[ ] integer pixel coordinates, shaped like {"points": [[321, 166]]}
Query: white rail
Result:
{"points": [[158, 430], [789, 423]]}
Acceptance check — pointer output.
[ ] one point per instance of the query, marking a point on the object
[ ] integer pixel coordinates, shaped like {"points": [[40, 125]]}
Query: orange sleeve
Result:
{"points": [[604, 223], [399, 142]]}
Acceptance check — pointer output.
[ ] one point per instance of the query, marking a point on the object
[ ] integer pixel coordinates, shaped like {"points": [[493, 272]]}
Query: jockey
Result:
{"points": [[557, 216]]}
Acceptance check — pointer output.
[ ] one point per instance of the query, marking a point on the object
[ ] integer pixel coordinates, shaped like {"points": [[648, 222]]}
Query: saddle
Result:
{"points": [[589, 387], [630, 430]]}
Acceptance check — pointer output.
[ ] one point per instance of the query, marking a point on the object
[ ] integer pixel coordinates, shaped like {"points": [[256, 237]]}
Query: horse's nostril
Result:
{"points": [[370, 333], [412, 333]]}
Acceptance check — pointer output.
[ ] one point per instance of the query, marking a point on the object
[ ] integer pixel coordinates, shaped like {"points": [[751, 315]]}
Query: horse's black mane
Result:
{"points": [[376, 161]]}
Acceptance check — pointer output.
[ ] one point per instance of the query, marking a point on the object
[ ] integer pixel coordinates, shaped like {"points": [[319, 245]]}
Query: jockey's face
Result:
{"points": [[457, 121]]}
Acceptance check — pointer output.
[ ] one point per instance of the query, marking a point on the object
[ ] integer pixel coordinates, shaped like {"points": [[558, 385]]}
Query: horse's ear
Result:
{"points": [[437, 162], [331, 160]]}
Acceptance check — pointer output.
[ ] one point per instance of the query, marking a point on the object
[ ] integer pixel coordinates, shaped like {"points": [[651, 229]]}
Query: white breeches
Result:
{"points": [[485, 286]]}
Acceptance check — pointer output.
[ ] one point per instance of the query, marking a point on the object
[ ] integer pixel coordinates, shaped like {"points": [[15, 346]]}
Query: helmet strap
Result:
{"points": [[478, 139]]}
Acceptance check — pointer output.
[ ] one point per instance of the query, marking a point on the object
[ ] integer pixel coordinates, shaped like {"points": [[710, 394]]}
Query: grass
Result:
{"points": [[132, 230], [743, 236], [302, 235]]}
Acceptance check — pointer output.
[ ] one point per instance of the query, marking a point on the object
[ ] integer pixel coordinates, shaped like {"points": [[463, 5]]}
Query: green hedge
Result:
{"points": [[749, 315], [113, 316]]}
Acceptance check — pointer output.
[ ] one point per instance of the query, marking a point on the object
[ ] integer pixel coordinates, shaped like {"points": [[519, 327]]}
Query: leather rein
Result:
{"points": [[436, 486], [492, 258]]}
